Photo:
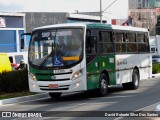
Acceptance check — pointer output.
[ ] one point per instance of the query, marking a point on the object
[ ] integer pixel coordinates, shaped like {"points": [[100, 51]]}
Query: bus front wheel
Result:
{"points": [[103, 85], [55, 95]]}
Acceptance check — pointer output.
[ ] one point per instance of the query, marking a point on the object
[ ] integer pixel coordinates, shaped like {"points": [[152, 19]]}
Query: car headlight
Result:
{"points": [[77, 74]]}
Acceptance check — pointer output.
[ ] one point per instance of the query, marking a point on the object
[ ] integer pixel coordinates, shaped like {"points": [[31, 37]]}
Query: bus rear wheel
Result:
{"points": [[103, 85], [55, 95], [135, 81]]}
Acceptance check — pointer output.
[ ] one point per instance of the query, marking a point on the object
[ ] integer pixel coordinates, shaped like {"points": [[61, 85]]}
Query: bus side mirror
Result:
{"points": [[22, 39], [22, 42]]}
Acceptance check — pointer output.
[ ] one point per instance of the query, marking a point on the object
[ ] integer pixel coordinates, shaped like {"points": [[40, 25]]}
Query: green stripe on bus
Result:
{"points": [[95, 68]]}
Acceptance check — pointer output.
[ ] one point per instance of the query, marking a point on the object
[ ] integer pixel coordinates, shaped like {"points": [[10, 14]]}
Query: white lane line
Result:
{"points": [[119, 118], [148, 106]]}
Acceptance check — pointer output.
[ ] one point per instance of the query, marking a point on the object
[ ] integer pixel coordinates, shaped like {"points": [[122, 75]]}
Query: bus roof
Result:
{"points": [[94, 25], [117, 27], [63, 25]]}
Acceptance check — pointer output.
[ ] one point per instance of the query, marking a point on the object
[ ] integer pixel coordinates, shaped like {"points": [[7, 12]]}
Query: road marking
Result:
{"points": [[148, 106], [119, 118]]}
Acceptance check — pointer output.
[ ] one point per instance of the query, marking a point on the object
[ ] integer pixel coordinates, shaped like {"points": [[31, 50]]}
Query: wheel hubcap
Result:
{"points": [[103, 84], [136, 80]]}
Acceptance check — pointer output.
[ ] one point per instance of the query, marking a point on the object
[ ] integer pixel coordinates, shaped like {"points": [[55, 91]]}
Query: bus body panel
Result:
{"points": [[126, 63], [105, 63]]}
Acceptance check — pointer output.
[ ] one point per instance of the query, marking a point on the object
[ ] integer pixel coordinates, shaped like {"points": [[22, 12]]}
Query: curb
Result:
{"points": [[156, 75], [23, 99]]}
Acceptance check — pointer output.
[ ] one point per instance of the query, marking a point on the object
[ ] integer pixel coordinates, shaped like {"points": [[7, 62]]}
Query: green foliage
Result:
{"points": [[4, 95], [14, 81], [155, 68]]}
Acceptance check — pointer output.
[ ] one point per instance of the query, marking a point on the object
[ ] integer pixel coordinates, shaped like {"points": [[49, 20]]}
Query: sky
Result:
{"points": [[119, 9]]}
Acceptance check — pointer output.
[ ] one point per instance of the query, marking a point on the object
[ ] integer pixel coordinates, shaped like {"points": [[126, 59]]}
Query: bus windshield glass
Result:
{"points": [[56, 47]]}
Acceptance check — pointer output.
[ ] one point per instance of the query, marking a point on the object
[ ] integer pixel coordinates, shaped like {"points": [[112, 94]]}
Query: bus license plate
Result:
{"points": [[53, 85]]}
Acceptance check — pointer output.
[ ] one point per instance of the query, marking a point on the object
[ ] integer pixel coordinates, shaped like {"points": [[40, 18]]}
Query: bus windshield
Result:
{"points": [[56, 47]]}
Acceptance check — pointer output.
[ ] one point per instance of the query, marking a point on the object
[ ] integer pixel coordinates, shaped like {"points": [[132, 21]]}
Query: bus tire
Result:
{"points": [[135, 81], [103, 85], [55, 95]]}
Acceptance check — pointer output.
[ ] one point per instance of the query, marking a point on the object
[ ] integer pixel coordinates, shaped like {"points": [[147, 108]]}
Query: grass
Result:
{"points": [[156, 68], [4, 95]]}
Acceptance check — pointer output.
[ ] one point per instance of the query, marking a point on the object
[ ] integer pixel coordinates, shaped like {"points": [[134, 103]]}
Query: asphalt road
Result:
{"points": [[145, 98]]}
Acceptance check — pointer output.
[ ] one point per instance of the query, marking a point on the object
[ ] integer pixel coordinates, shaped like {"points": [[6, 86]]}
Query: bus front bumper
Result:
{"points": [[78, 84]]}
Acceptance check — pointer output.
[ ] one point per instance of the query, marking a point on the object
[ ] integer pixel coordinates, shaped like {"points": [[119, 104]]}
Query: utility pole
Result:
{"points": [[100, 11], [148, 18]]}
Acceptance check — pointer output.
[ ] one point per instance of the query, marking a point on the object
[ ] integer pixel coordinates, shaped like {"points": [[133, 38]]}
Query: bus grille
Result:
{"points": [[62, 87], [65, 79], [54, 89]]}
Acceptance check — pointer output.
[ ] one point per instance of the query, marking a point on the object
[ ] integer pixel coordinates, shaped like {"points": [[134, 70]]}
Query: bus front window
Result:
{"points": [[56, 48]]}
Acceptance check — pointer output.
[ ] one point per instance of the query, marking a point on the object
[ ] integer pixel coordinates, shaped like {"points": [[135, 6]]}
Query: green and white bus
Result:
{"points": [[87, 56]]}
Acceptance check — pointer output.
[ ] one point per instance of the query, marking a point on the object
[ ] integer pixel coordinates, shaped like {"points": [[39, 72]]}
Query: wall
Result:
{"points": [[10, 32], [37, 19]]}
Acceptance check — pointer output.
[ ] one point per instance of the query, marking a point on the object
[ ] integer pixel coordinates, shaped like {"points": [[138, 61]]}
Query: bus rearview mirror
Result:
{"points": [[22, 43], [22, 39]]}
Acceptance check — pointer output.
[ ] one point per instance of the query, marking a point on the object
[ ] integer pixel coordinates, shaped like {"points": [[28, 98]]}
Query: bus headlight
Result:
{"points": [[32, 76], [77, 74]]}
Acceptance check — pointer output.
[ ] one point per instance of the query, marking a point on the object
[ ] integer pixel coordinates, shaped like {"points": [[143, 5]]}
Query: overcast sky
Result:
{"points": [[119, 9]]}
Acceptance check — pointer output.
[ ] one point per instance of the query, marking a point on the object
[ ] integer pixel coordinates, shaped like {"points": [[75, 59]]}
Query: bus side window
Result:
{"points": [[91, 44], [106, 44], [147, 42], [140, 40], [120, 42], [131, 44]]}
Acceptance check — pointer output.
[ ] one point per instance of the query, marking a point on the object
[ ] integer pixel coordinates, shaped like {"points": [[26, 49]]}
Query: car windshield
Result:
{"points": [[56, 47]]}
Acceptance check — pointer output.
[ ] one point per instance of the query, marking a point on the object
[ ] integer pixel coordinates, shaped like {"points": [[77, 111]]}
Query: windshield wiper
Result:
{"points": [[51, 53]]}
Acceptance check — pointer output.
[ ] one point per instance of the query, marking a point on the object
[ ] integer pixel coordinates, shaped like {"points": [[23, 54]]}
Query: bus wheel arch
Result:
{"points": [[103, 84], [136, 68], [107, 75], [134, 84]]}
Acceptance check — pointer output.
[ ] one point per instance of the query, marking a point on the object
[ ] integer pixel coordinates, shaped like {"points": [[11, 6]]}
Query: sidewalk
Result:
{"points": [[156, 75]]}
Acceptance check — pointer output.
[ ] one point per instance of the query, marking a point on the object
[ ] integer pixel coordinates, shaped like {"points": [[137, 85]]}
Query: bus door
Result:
{"points": [[92, 62]]}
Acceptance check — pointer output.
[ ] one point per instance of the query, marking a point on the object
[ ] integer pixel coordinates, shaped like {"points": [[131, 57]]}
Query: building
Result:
{"points": [[37, 19], [133, 4], [11, 27], [145, 13]]}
